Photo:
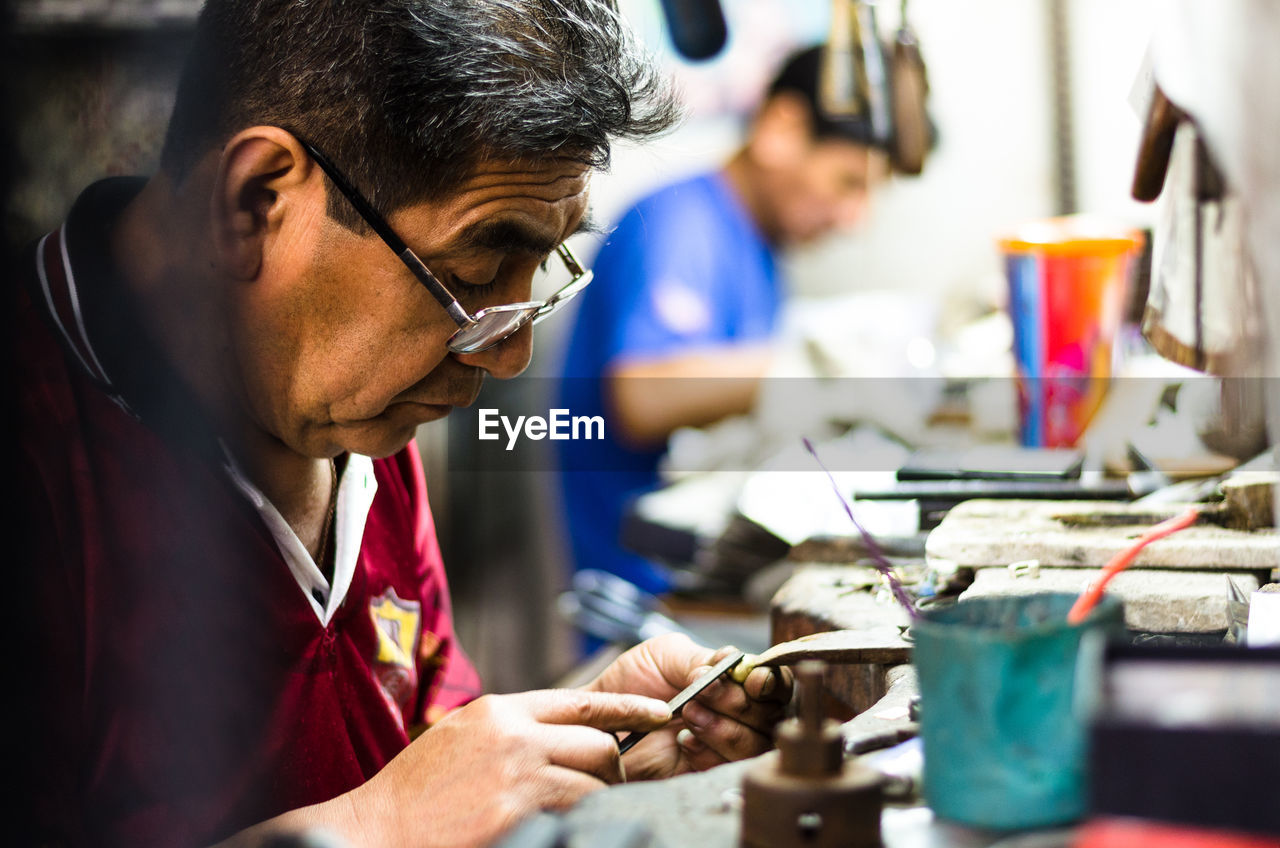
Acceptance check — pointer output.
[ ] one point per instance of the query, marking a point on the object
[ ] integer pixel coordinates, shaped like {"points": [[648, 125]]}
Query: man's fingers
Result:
{"points": [[762, 682], [586, 750], [728, 737], [725, 696], [699, 756], [768, 684], [721, 653], [744, 668], [601, 710], [729, 700]]}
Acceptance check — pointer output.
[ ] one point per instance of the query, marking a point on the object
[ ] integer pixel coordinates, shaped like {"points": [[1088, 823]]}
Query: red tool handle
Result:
{"points": [[1089, 597]]}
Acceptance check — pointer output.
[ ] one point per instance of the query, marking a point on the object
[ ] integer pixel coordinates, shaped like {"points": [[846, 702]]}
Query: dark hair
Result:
{"points": [[801, 74], [407, 96]]}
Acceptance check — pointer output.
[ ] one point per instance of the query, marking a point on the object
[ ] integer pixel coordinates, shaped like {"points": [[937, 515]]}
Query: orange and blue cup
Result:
{"points": [[1068, 278]]}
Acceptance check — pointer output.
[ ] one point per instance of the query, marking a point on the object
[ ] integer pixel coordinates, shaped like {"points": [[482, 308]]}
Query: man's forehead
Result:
{"points": [[531, 172], [846, 148], [525, 207]]}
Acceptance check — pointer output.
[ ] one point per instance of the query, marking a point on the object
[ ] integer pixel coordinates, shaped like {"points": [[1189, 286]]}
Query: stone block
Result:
{"points": [[1155, 600], [1087, 534]]}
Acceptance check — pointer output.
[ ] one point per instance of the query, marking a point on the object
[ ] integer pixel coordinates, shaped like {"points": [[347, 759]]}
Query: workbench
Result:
{"points": [[704, 809], [870, 690], [1178, 594]]}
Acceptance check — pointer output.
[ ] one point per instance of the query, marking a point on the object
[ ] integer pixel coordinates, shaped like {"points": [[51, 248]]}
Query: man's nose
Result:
{"points": [[507, 359]]}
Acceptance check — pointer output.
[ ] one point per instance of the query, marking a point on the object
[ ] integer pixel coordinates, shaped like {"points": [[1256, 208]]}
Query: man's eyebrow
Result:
{"points": [[588, 224], [513, 236]]}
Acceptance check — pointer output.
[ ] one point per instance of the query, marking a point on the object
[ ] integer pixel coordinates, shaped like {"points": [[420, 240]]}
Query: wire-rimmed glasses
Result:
{"points": [[487, 327]]}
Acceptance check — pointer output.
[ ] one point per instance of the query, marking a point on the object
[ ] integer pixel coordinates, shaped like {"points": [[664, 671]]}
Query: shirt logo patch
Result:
{"points": [[399, 623], [399, 626]]}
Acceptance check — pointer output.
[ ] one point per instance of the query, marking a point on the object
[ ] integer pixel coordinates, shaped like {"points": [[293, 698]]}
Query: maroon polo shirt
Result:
{"points": [[184, 686]]}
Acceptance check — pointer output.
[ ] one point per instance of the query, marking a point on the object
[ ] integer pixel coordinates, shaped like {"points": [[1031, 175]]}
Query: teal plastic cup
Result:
{"points": [[1004, 740]]}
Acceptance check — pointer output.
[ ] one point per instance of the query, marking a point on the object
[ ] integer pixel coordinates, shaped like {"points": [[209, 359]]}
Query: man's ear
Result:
{"points": [[782, 131], [263, 175]]}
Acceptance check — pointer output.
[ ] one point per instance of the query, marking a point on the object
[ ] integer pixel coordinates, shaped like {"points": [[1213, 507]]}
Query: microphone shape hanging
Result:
{"points": [[853, 74], [697, 27]]}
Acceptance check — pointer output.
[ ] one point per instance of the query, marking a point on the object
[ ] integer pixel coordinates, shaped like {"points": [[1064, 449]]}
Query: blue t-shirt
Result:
{"points": [[685, 268]]}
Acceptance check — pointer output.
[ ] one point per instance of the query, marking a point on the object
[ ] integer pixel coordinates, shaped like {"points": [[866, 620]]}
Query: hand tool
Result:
{"points": [[686, 695], [882, 645]]}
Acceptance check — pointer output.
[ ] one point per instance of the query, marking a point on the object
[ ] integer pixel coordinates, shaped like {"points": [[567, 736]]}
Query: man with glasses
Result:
{"points": [[241, 619]]}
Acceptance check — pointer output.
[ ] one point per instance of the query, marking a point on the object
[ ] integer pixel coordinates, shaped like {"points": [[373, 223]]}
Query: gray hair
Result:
{"points": [[407, 96]]}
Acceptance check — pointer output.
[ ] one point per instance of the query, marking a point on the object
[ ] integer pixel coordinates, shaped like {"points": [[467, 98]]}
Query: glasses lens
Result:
{"points": [[491, 326]]}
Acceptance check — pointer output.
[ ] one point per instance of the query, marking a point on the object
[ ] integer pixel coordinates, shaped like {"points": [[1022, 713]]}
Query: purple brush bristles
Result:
{"points": [[877, 556]]}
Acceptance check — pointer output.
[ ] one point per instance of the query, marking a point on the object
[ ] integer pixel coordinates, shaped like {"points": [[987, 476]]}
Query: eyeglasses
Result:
{"points": [[489, 326]]}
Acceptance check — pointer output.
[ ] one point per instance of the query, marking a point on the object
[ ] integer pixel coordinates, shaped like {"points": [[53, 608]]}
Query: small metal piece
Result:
{"points": [[1024, 568], [1237, 613], [686, 695], [809, 822], [730, 800], [902, 767], [864, 743]]}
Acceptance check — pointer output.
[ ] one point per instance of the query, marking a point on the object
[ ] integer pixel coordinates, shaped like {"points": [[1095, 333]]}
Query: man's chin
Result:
{"points": [[812, 238], [380, 450], [390, 432]]}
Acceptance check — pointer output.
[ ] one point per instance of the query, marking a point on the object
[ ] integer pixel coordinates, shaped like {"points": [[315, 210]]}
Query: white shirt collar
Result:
{"points": [[356, 489]]}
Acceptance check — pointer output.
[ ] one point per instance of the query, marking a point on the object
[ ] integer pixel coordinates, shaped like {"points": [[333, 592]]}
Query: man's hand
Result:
{"points": [[482, 768], [727, 721], [487, 765]]}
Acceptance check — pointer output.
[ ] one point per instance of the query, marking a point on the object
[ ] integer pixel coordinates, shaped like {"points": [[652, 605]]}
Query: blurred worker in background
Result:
{"points": [[677, 328]]}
